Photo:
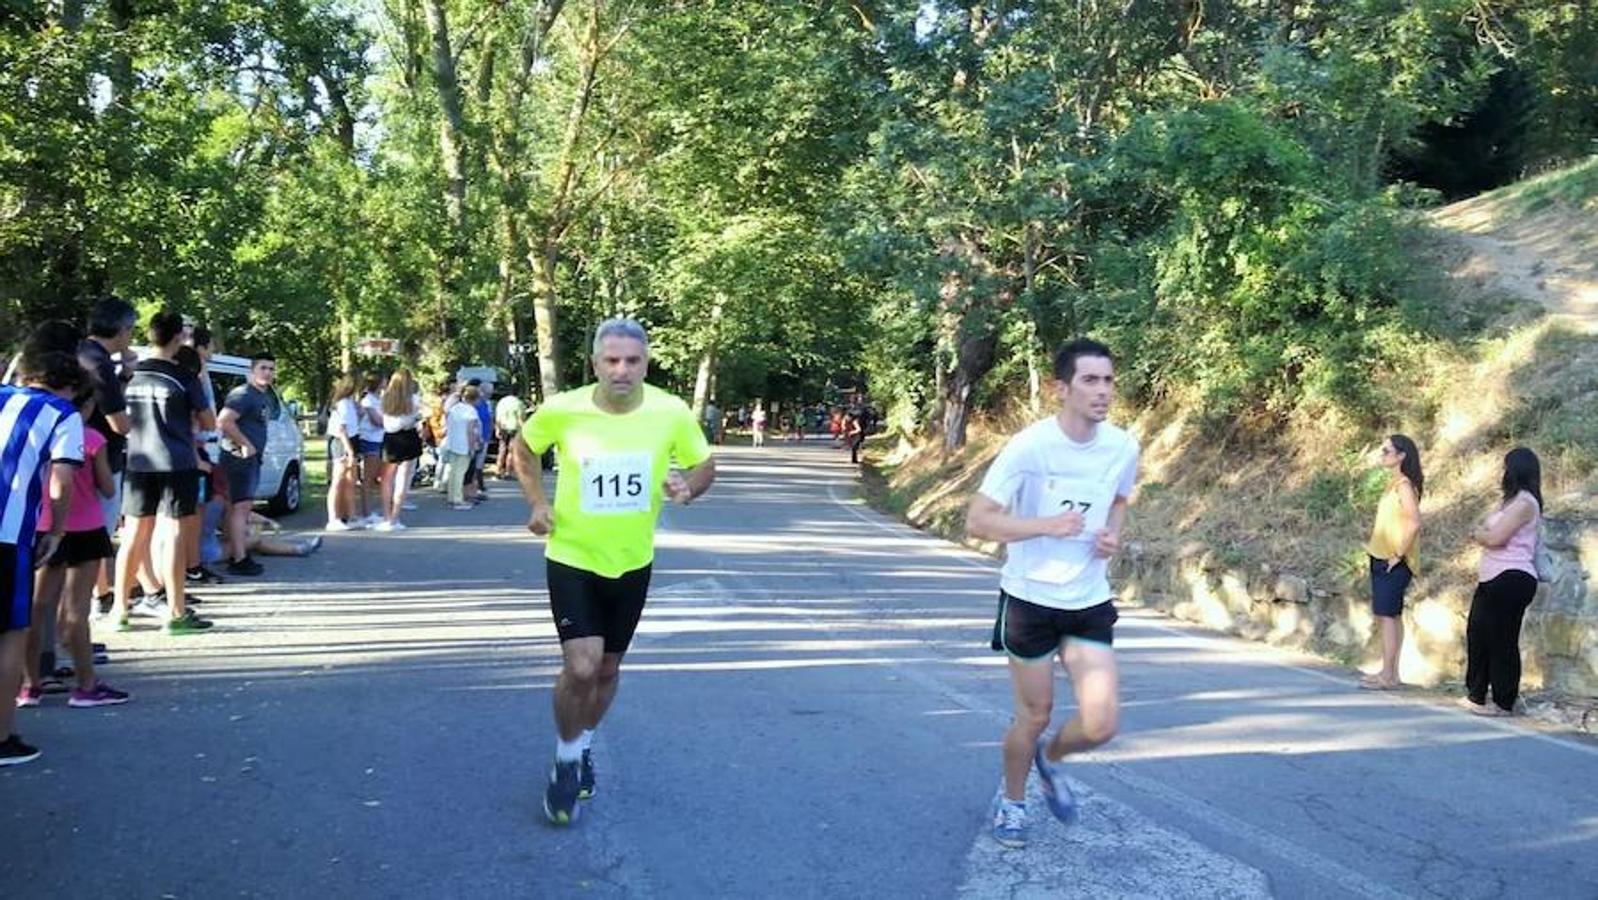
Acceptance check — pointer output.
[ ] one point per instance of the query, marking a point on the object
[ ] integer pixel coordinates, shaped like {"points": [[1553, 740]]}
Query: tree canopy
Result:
{"points": [[788, 194]]}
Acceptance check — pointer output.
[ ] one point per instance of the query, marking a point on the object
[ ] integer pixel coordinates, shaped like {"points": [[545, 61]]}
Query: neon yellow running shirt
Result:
{"points": [[608, 492]]}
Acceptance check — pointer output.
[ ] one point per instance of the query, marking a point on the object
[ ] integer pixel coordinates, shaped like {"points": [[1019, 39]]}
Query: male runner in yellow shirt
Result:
{"points": [[622, 447]]}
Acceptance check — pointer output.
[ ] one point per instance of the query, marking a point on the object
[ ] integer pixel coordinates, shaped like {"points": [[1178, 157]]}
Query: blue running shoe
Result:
{"points": [[1009, 823], [585, 777], [560, 798], [1061, 801]]}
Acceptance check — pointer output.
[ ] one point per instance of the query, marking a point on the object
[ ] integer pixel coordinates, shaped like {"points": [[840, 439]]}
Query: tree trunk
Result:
{"points": [[452, 126], [541, 260], [974, 360], [704, 381]]}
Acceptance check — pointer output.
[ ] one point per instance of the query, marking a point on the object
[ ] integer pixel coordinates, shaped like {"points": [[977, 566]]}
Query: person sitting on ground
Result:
{"points": [[266, 537]]}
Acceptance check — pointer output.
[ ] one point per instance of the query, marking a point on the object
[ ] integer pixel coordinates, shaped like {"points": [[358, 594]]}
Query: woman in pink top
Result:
{"points": [[1505, 587], [69, 576]]}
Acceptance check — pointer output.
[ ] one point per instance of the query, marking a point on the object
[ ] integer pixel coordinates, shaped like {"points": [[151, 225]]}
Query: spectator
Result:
{"points": [[509, 414], [111, 324], [712, 419], [446, 398], [42, 410], [72, 568], [462, 434], [1394, 550], [162, 481], [477, 488], [402, 446], [199, 339], [757, 424], [343, 428], [1506, 584], [370, 432], [245, 413]]}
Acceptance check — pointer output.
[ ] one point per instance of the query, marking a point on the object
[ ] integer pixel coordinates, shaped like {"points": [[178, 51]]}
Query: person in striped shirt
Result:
{"points": [[41, 446]]}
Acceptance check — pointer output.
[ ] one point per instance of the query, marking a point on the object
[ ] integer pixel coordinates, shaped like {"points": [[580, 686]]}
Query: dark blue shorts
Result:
{"points": [[1388, 587], [16, 580]]}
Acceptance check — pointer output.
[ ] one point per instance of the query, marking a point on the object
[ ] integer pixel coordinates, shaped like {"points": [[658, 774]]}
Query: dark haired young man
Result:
{"points": [[111, 324], [162, 485], [1057, 497], [46, 436], [245, 413]]}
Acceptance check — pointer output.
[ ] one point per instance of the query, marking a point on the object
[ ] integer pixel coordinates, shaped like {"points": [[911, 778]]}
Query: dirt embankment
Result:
{"points": [[1259, 530]]}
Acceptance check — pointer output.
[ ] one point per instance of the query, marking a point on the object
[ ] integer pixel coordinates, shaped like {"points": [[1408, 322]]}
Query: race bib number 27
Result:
{"points": [[617, 483]]}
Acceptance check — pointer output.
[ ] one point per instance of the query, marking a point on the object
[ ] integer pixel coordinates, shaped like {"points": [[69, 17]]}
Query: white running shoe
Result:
{"points": [[339, 525], [383, 525]]}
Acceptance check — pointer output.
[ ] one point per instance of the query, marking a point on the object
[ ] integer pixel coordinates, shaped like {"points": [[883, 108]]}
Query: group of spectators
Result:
{"points": [[384, 434], [849, 425], [100, 441]]}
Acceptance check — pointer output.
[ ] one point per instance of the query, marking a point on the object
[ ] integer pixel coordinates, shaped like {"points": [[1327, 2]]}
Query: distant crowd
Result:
{"points": [[848, 425]]}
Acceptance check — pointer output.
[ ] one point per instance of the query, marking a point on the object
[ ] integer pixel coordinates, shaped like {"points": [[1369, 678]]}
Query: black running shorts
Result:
{"points": [[1031, 632], [588, 605], [79, 547], [169, 494]]}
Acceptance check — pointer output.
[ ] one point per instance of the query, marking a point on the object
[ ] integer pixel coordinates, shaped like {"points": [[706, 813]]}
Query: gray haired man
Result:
{"points": [[624, 447]]}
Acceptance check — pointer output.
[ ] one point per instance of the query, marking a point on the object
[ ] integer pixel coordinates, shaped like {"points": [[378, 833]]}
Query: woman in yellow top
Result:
{"points": [[1393, 558]]}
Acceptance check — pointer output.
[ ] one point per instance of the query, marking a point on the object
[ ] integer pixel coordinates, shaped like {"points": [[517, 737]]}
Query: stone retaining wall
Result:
{"points": [[1559, 642]]}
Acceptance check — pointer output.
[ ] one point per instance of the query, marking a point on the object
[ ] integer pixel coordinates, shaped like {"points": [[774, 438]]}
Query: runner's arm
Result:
{"points": [[530, 473], [60, 492], [700, 477], [986, 519]]}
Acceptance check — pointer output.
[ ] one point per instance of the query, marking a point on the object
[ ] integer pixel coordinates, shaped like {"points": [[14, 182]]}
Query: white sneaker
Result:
{"points": [[397, 526], [339, 525], [372, 520], [383, 525]]}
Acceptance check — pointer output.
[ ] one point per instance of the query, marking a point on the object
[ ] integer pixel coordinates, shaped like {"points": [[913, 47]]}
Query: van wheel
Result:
{"points": [[287, 500]]}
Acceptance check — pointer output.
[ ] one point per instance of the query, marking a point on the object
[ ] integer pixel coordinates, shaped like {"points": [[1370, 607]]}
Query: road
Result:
{"points": [[810, 710]]}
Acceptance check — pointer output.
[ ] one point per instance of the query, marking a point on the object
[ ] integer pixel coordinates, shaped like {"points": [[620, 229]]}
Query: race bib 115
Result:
{"points": [[617, 483]]}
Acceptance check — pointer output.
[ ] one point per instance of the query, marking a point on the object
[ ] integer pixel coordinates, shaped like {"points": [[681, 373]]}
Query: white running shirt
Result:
{"points": [[1041, 472]]}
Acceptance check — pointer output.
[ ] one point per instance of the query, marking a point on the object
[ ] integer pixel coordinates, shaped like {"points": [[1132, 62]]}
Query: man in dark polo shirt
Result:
{"points": [[162, 483], [110, 332], [243, 423]]}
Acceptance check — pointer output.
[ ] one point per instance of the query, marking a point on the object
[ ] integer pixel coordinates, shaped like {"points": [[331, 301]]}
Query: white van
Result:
{"points": [[283, 458]]}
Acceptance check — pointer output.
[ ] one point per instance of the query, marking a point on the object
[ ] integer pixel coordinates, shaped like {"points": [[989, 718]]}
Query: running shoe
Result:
{"points": [[124, 624], [371, 519], [101, 694], [29, 695], [104, 604], [585, 777], [152, 607], [188, 623], [340, 525], [50, 684], [383, 526], [246, 566], [1009, 823], [1055, 789], [13, 752], [202, 575], [560, 798]]}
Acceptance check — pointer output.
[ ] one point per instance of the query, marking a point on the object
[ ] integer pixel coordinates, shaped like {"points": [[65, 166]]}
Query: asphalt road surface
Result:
{"points": [[810, 710]]}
